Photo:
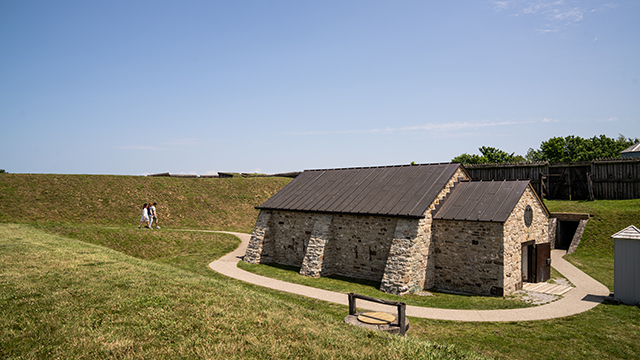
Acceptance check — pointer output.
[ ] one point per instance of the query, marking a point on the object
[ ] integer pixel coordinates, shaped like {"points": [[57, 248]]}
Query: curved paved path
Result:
{"points": [[586, 295]]}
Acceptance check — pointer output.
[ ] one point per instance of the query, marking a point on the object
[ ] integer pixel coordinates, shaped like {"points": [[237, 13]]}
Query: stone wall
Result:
{"points": [[516, 232], [468, 256], [475, 256], [359, 245], [323, 244], [410, 266], [289, 236], [313, 263], [402, 270], [553, 228], [257, 252]]}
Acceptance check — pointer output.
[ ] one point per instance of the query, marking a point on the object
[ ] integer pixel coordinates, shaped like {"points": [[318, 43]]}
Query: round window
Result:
{"points": [[528, 216]]}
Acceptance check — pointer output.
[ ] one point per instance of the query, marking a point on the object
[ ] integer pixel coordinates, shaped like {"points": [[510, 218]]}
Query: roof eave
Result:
{"points": [[405, 216]]}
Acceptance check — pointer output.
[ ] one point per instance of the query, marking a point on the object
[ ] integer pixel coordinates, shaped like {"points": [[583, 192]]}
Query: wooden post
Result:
{"points": [[352, 304], [590, 185], [568, 170], [546, 167], [402, 320]]}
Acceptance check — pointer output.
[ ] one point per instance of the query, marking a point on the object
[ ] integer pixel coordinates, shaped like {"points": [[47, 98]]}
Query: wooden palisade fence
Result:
{"points": [[610, 179]]}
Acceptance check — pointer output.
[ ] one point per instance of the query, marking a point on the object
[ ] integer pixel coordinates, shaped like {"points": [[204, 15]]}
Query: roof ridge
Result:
{"points": [[630, 231], [383, 166]]}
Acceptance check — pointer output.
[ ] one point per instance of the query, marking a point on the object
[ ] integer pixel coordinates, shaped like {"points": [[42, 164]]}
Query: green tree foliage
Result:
{"points": [[557, 149], [2, 171], [490, 155], [574, 148]]}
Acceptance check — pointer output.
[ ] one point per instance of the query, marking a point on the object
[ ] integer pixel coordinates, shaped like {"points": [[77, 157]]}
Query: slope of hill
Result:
{"points": [[221, 204]]}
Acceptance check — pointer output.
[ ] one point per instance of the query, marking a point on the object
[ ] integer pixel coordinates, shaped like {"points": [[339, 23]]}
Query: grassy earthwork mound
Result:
{"points": [[79, 280]]}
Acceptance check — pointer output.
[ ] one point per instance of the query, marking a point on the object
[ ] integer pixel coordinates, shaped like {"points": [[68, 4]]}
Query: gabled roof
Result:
{"points": [[482, 200], [403, 190], [630, 232], [632, 148]]}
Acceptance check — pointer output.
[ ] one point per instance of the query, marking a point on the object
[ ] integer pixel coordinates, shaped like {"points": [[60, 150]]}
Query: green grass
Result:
{"points": [[188, 250], [188, 203], [65, 299], [155, 297], [595, 253], [605, 332], [370, 288]]}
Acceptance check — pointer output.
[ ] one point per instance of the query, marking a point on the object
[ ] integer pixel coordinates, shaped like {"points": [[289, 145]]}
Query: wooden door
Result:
{"points": [[543, 262]]}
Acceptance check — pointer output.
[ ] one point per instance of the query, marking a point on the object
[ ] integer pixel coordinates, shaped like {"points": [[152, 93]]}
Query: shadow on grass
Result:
{"points": [[345, 285], [368, 283]]}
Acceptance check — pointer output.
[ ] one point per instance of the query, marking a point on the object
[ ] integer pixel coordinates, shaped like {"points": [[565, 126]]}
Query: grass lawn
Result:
{"points": [[595, 253], [370, 288], [187, 203], [65, 293], [606, 332], [65, 299]]}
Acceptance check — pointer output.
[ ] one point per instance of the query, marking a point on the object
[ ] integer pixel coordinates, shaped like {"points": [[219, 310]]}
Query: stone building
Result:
{"points": [[407, 227]]}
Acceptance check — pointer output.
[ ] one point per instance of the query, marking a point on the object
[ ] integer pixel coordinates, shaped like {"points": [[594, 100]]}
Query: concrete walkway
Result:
{"points": [[586, 295]]}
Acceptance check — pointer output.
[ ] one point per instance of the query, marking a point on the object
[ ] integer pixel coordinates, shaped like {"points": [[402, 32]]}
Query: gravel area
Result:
{"points": [[534, 297]]}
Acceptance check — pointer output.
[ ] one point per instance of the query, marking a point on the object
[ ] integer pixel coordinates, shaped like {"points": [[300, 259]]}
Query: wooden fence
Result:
{"points": [[611, 179]]}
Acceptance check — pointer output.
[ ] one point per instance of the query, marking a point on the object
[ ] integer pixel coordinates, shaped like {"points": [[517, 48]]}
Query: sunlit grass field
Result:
{"points": [[67, 299], [75, 285]]}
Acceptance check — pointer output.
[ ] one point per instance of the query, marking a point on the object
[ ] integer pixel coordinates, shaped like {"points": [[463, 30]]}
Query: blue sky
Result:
{"points": [[142, 87]]}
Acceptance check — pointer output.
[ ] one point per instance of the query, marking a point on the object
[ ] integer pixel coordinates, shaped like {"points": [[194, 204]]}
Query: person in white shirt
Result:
{"points": [[153, 216], [145, 216]]}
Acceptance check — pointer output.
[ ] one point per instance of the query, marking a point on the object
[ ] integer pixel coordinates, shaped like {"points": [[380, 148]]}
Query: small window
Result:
{"points": [[528, 216]]}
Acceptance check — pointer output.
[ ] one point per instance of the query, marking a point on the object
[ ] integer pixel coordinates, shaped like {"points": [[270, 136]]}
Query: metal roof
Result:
{"points": [[632, 148], [402, 190], [630, 233], [482, 200]]}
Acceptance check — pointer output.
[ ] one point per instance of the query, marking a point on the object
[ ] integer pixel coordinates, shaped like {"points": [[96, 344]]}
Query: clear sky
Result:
{"points": [[142, 87]]}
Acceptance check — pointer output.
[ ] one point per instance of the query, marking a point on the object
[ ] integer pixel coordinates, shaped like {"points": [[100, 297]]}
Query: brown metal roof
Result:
{"points": [[403, 190], [482, 200]]}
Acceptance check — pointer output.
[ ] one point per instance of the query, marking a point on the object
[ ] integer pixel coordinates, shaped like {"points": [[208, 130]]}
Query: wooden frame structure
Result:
{"points": [[402, 309]]}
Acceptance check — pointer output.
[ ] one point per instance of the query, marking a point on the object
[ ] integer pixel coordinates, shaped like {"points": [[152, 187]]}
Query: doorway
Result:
{"points": [[528, 260], [536, 262]]}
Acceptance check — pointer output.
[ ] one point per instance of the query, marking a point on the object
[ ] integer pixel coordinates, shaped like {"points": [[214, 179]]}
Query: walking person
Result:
{"points": [[145, 216], [154, 215]]}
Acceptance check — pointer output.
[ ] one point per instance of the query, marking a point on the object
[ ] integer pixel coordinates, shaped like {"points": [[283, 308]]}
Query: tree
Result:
{"points": [[574, 148], [490, 155], [467, 159], [557, 149], [533, 155]]}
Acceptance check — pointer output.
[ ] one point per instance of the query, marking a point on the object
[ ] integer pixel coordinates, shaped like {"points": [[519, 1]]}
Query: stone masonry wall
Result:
{"points": [[553, 228], [468, 255], [427, 226], [359, 246], [290, 235], [314, 264], [404, 260], [475, 256], [256, 252], [410, 266], [339, 244], [516, 233]]}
